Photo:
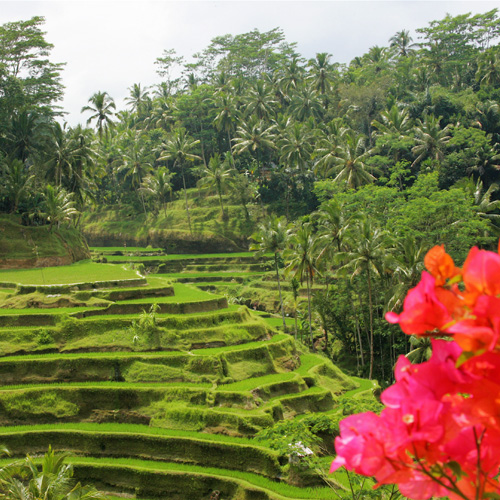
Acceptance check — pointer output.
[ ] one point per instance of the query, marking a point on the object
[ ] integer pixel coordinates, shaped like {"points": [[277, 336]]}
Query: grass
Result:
{"points": [[105, 385], [257, 382], [278, 489], [182, 293], [170, 257], [223, 274], [130, 429], [84, 271], [107, 250]]}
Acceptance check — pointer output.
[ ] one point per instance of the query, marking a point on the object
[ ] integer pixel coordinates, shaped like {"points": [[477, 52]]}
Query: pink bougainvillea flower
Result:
{"points": [[360, 446], [440, 265], [423, 313], [481, 274], [481, 330]]}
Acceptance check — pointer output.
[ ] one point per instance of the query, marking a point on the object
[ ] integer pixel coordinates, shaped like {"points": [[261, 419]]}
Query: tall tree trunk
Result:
{"points": [[219, 192], [309, 310], [186, 199], [371, 322], [230, 150], [281, 297]]}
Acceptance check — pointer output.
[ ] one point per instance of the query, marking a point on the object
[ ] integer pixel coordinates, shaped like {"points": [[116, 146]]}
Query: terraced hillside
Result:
{"points": [[210, 232], [157, 387]]}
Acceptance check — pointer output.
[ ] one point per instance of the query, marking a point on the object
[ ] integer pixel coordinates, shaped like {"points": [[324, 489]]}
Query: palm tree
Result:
{"points": [[53, 482], [401, 43], [227, 116], [327, 149], [306, 104], [350, 163], [333, 225], [254, 137], [272, 237], [302, 260], [486, 207], [409, 261], [62, 155], [369, 248], [178, 148], [321, 69], [17, 181], [431, 139], [57, 206], [260, 101], [296, 146], [137, 97], [101, 105], [292, 77], [488, 69], [394, 121], [162, 114], [217, 174], [81, 178], [135, 163], [24, 134], [159, 184]]}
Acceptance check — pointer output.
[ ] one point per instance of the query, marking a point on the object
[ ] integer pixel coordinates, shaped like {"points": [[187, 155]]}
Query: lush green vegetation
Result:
{"points": [[80, 272], [340, 177]]}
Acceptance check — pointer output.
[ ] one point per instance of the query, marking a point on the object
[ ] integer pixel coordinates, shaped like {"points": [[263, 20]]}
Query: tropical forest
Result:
{"points": [[244, 284]]}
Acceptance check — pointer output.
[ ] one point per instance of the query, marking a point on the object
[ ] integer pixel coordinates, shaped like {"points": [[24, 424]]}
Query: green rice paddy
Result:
{"points": [[80, 272], [212, 376]]}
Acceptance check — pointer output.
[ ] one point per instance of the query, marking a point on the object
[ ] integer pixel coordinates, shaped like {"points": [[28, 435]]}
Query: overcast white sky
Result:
{"points": [[109, 45]]}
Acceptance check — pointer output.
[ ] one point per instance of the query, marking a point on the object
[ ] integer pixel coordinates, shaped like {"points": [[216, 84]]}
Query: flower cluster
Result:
{"points": [[439, 434]]}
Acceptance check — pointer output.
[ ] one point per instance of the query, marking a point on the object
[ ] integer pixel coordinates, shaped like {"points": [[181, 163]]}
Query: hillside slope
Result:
{"points": [[169, 229], [26, 246]]}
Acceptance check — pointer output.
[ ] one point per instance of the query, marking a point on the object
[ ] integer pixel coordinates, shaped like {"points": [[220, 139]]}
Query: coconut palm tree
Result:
{"points": [[488, 69], [296, 146], [178, 148], [328, 139], [135, 163], [408, 260], [62, 155], [17, 180], [57, 206], [431, 139], [402, 44], [218, 174], [260, 101], [368, 250], [306, 104], [102, 106], [226, 117], [321, 77], [254, 137], [137, 97], [158, 184], [350, 165], [272, 237], [25, 133], [302, 261]]}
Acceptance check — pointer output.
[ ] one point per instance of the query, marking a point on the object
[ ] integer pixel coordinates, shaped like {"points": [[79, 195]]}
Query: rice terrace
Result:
{"points": [[243, 282]]}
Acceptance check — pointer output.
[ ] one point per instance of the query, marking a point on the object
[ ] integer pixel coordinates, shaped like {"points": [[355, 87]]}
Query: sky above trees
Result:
{"points": [[110, 45]]}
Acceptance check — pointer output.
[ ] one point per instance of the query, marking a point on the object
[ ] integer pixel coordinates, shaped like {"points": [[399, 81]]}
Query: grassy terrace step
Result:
{"points": [[80, 272], [195, 258], [136, 441], [14, 319], [181, 481], [177, 405], [231, 277], [125, 250], [147, 366]]}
